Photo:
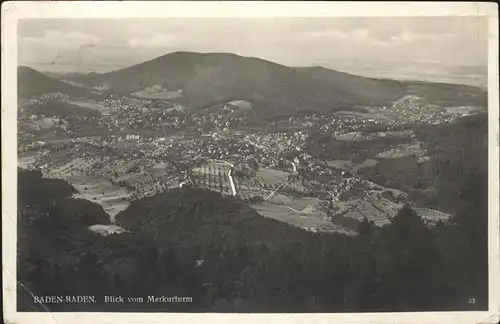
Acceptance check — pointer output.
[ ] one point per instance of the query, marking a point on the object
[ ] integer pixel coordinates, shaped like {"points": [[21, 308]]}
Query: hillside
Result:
{"points": [[210, 78], [192, 242], [33, 83], [62, 109], [455, 151], [208, 217]]}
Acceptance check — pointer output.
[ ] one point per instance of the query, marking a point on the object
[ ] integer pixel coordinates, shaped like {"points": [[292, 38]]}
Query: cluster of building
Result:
{"points": [[143, 133], [414, 109], [51, 96], [274, 148], [220, 121], [339, 124], [118, 103]]}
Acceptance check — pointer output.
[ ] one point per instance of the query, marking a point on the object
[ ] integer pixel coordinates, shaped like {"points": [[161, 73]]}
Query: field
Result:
{"points": [[93, 187], [349, 136], [212, 175], [358, 209], [27, 161], [158, 169], [157, 92], [366, 115], [415, 148], [340, 164], [64, 109], [112, 183], [242, 104], [366, 164], [267, 184], [106, 229], [349, 165], [112, 198], [432, 215], [311, 220], [44, 123], [271, 177], [464, 110], [302, 212]]}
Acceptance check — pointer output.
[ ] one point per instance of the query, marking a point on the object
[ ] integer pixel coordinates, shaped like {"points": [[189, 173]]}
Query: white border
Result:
{"points": [[12, 11]]}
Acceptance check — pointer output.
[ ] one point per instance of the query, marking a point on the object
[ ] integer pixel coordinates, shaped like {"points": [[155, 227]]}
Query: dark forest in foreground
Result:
{"points": [[251, 263]]}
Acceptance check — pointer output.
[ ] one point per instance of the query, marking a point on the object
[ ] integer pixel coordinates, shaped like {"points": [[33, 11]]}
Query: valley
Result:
{"points": [[224, 165], [116, 149]]}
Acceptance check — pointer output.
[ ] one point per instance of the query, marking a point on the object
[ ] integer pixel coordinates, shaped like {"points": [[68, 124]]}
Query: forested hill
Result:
{"points": [[192, 242], [192, 216], [213, 78], [455, 151]]}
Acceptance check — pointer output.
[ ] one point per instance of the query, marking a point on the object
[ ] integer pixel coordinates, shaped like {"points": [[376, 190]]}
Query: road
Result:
{"points": [[275, 190], [283, 183], [229, 175], [231, 181]]}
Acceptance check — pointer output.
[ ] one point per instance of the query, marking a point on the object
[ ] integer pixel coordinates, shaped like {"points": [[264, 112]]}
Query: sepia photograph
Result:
{"points": [[300, 163]]}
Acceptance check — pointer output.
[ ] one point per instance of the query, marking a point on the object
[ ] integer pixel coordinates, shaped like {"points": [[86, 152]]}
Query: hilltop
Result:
{"points": [[205, 79], [207, 216], [33, 83]]}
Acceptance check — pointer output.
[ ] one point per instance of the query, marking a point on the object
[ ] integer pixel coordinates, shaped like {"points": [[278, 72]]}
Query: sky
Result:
{"points": [[397, 45]]}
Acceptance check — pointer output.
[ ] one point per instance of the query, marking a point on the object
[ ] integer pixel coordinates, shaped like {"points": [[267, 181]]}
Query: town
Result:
{"points": [[142, 147]]}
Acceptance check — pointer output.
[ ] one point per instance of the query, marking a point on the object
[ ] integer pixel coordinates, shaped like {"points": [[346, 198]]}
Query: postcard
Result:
{"points": [[250, 162]]}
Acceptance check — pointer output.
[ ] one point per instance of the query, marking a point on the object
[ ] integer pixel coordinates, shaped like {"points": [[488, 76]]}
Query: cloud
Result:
{"points": [[60, 39], [364, 37], [408, 37], [158, 40], [357, 34], [354, 36]]}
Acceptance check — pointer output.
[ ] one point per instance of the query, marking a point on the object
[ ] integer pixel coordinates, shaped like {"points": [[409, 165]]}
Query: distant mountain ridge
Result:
{"points": [[34, 83], [213, 78]]}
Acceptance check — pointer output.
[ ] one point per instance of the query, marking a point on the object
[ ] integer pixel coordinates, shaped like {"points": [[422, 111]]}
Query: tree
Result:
{"points": [[471, 223], [221, 181], [366, 228], [409, 261]]}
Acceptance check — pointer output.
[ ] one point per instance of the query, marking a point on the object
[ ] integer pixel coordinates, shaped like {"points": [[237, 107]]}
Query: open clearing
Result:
{"points": [[432, 215], [27, 160], [113, 199], [158, 170], [416, 148], [106, 229], [92, 105], [157, 92], [379, 116], [271, 177], [212, 175], [340, 164], [311, 221], [350, 136], [348, 165], [366, 164], [97, 188]]}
